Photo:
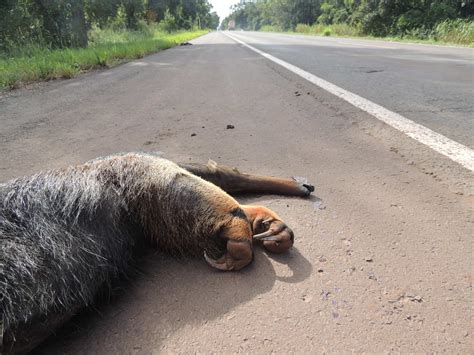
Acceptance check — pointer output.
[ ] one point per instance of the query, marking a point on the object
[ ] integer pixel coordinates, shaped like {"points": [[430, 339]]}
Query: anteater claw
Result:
{"points": [[304, 184], [217, 265]]}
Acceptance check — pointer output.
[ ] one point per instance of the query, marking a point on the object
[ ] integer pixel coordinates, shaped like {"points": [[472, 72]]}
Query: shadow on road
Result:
{"points": [[170, 294]]}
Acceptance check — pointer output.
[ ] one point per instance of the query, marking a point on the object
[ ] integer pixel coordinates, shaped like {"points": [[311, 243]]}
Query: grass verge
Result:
{"points": [[38, 64], [449, 32]]}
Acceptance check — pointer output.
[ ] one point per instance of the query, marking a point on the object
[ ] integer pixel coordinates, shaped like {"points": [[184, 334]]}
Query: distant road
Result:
{"points": [[431, 85]]}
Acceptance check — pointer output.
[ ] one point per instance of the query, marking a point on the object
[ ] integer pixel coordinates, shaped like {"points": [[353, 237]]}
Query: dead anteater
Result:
{"points": [[67, 233]]}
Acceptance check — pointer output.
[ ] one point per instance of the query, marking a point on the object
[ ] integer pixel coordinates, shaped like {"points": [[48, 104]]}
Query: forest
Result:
{"points": [[439, 20], [52, 39], [68, 23]]}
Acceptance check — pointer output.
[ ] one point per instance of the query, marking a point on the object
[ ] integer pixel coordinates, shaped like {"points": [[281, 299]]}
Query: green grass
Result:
{"points": [[106, 50], [271, 28], [450, 32], [338, 30], [455, 31]]}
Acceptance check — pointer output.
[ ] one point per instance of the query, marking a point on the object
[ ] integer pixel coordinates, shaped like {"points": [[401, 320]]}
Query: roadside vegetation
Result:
{"points": [[43, 40], [438, 21], [109, 48]]}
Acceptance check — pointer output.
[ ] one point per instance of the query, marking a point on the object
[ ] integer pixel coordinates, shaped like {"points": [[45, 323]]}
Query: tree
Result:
{"points": [[18, 23], [373, 17], [134, 10], [63, 22], [101, 12]]}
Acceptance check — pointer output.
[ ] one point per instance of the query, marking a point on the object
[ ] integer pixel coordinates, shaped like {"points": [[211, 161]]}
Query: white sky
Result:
{"points": [[222, 7]]}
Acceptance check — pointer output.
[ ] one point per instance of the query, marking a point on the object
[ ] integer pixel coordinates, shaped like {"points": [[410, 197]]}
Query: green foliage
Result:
{"points": [[45, 64], [455, 31], [303, 28], [212, 21], [422, 19], [271, 28], [334, 13], [343, 29], [284, 14], [111, 34], [102, 13], [169, 23], [66, 23], [340, 29], [17, 24], [58, 23], [49, 39]]}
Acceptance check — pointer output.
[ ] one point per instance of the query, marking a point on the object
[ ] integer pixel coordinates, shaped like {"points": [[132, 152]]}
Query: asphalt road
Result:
{"points": [[383, 252], [431, 85]]}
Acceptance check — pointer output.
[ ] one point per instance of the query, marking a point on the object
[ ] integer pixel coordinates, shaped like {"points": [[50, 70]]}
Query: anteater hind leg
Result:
{"points": [[234, 182]]}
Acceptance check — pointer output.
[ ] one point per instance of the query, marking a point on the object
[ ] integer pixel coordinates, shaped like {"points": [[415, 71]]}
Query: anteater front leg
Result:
{"points": [[238, 236], [234, 182]]}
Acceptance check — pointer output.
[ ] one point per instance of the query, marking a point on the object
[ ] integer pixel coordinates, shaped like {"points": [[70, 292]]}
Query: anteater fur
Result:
{"points": [[66, 234]]}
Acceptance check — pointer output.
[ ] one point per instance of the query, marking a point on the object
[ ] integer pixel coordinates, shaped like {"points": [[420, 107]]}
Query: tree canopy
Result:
{"points": [[371, 17], [64, 23]]}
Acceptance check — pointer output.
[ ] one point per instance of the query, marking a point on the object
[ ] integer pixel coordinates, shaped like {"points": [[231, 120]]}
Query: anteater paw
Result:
{"points": [[304, 185]]}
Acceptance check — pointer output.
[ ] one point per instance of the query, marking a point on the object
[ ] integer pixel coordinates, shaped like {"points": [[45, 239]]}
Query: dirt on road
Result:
{"points": [[383, 252]]}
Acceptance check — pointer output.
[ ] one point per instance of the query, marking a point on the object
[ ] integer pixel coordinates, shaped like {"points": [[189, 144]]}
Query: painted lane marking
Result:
{"points": [[455, 151], [365, 45]]}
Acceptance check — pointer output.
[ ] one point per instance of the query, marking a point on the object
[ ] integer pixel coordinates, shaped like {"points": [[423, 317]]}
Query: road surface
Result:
{"points": [[383, 253], [432, 85]]}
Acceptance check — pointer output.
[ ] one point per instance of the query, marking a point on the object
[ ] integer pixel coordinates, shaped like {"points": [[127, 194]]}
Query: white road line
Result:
{"points": [[439, 143], [365, 45]]}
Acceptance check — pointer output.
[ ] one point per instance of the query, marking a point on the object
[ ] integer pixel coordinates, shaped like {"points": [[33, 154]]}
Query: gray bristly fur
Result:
{"points": [[66, 233]]}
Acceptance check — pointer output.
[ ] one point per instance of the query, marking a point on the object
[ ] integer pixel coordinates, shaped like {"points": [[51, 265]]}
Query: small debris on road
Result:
{"points": [[416, 298], [230, 126], [325, 295], [369, 259], [318, 205], [193, 134], [186, 44], [297, 93]]}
